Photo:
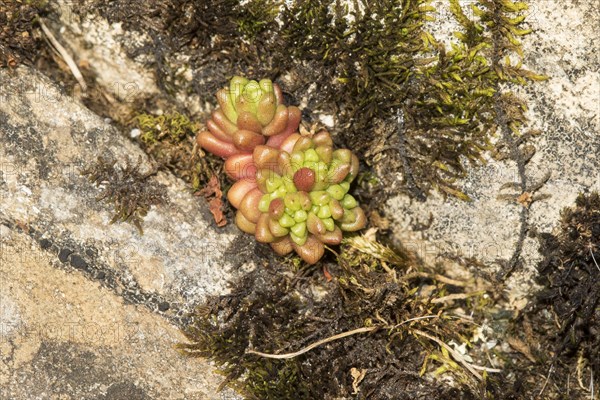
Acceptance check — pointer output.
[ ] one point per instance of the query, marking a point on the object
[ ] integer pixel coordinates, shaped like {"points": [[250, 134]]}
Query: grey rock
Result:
{"points": [[57, 241], [566, 109]]}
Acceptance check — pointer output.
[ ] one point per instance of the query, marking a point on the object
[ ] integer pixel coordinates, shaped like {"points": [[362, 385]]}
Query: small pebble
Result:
{"points": [[135, 133]]}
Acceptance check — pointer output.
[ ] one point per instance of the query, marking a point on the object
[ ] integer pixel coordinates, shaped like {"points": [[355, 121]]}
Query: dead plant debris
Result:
{"points": [[19, 35], [213, 194]]}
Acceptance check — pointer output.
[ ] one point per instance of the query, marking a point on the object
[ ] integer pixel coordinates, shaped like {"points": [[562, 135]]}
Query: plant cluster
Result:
{"points": [[404, 102], [291, 190]]}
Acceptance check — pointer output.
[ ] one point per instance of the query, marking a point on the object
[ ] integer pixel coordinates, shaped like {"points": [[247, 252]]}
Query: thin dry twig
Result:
{"points": [[335, 337], [316, 344], [547, 380], [592, 385], [437, 277], [64, 54], [457, 356], [594, 258], [457, 296]]}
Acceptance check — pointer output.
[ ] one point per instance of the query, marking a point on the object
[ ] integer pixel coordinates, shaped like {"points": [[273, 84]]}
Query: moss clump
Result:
{"points": [[561, 327], [224, 21], [362, 58], [131, 192], [371, 288], [18, 36], [375, 64], [570, 273], [404, 102], [173, 127], [443, 104], [224, 34], [256, 17], [170, 140]]}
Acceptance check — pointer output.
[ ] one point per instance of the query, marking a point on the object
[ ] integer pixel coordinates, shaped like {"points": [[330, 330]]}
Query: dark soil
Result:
{"points": [[561, 326], [20, 41]]}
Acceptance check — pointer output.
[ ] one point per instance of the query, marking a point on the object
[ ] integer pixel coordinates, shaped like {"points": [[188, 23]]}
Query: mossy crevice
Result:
{"points": [[427, 110], [285, 309]]}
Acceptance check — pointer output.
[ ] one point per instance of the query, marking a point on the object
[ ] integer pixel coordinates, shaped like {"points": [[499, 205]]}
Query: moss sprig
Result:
{"points": [[459, 105], [174, 126], [129, 190]]}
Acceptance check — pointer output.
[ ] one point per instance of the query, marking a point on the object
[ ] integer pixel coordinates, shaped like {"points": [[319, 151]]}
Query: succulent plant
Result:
{"points": [[251, 113], [291, 192]]}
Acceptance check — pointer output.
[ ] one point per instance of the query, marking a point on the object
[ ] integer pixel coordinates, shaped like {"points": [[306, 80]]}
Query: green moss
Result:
{"points": [[444, 104], [171, 141], [402, 100], [256, 17], [365, 62], [173, 127]]}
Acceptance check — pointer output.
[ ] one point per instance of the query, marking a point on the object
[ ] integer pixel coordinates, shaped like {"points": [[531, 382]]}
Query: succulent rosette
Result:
{"points": [[251, 113], [291, 192]]}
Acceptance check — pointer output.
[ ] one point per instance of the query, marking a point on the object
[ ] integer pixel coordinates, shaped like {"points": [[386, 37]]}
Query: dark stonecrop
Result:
{"points": [[291, 190]]}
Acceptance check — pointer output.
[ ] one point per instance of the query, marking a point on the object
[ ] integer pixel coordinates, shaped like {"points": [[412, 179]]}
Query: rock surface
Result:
{"points": [[566, 109], [88, 309]]}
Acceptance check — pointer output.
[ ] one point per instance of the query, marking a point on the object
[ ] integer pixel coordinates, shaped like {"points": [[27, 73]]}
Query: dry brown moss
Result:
{"points": [[559, 333], [283, 308], [130, 190]]}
